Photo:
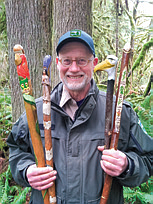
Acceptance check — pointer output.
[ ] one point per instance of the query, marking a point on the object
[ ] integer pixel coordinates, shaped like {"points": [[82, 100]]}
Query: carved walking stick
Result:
{"points": [[47, 120], [30, 107], [117, 117], [109, 65]]}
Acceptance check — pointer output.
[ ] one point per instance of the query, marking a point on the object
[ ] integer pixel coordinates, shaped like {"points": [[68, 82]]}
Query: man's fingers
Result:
{"points": [[36, 177], [110, 169], [41, 177], [34, 170], [114, 162], [44, 184], [40, 187], [100, 148]]}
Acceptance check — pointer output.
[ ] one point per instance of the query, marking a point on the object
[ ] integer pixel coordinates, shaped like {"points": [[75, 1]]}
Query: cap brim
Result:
{"points": [[71, 39]]}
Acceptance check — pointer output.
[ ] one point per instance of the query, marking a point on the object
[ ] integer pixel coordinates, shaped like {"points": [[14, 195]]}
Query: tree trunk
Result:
{"points": [[28, 24], [67, 15]]}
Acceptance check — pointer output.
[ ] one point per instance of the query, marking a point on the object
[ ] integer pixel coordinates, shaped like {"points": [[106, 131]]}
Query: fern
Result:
{"points": [[11, 194], [1, 188], [145, 115], [5, 199], [141, 194], [21, 198], [144, 109]]}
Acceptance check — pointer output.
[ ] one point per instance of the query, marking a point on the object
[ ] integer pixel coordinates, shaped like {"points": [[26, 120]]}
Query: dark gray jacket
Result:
{"points": [[80, 178]]}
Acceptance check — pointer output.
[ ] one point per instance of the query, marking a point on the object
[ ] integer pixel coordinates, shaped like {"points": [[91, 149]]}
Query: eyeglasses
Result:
{"points": [[81, 62]]}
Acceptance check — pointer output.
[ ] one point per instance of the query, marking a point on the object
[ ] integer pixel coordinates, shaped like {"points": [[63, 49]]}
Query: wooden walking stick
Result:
{"points": [[117, 117], [109, 65], [47, 120], [31, 112]]}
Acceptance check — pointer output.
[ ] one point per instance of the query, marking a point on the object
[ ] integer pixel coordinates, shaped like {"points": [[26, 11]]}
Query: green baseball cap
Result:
{"points": [[76, 36]]}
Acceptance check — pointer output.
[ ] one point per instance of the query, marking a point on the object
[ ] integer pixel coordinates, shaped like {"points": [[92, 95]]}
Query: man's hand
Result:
{"points": [[40, 178], [114, 162]]}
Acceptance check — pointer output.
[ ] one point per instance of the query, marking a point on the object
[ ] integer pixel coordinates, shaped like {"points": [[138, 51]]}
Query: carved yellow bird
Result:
{"points": [[108, 65]]}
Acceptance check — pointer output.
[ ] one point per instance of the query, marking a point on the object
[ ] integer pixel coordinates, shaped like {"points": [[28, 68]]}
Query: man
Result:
{"points": [[78, 120]]}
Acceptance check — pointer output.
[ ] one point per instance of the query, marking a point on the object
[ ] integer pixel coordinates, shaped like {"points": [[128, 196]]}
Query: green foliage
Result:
{"points": [[3, 27], [3, 19], [142, 106], [103, 29], [4, 187], [21, 198], [112, 31], [105, 34], [139, 195], [4, 76], [11, 194], [5, 115], [142, 54], [6, 111], [146, 116], [130, 29]]}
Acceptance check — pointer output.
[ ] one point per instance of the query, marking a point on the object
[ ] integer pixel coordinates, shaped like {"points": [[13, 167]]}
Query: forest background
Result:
{"points": [[113, 24]]}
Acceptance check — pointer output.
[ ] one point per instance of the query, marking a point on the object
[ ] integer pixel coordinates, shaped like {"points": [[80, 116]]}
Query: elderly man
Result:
{"points": [[78, 126]]}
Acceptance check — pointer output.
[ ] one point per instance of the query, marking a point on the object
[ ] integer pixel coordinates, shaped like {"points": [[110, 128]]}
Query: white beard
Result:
{"points": [[76, 86]]}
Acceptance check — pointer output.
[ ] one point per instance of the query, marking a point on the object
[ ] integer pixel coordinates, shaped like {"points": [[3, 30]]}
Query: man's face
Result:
{"points": [[75, 77]]}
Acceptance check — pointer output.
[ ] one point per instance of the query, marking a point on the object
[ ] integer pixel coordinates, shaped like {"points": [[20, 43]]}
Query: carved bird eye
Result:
{"points": [[26, 84]]}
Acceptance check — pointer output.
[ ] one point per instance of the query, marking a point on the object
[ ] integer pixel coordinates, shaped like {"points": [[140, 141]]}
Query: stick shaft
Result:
{"points": [[108, 113], [108, 134], [120, 98]]}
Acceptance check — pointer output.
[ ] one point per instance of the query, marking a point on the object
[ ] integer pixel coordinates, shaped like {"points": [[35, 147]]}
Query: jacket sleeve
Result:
{"points": [[20, 151], [139, 150]]}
